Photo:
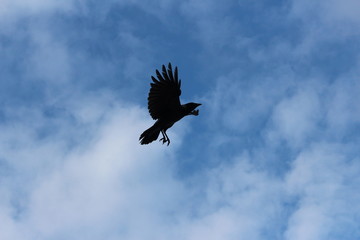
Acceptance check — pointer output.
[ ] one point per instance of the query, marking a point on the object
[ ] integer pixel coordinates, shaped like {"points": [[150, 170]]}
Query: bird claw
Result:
{"points": [[164, 141]]}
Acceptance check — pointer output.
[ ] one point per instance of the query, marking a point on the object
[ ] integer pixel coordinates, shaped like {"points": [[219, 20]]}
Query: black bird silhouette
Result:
{"points": [[164, 105]]}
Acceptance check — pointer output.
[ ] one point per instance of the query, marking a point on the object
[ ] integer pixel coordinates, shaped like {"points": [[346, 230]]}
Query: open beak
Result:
{"points": [[195, 112]]}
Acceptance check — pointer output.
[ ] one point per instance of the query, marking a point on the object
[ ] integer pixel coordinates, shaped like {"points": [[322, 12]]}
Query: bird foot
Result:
{"points": [[164, 140]]}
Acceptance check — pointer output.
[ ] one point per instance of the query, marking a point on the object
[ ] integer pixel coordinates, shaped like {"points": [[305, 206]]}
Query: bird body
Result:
{"points": [[164, 105]]}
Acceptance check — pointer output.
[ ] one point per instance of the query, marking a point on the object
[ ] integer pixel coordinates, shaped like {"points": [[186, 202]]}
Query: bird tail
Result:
{"points": [[149, 135]]}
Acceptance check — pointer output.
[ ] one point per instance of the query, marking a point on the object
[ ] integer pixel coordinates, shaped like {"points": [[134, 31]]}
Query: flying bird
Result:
{"points": [[164, 105]]}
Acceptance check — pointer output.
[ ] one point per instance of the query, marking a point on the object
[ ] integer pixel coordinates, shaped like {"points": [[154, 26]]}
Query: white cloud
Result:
{"points": [[13, 8], [296, 118], [109, 186], [105, 183], [330, 12], [343, 112], [86, 176], [239, 202], [239, 104], [50, 59], [330, 21], [323, 178], [212, 27]]}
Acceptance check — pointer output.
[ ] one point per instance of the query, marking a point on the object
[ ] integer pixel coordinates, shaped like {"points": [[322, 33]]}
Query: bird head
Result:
{"points": [[190, 108]]}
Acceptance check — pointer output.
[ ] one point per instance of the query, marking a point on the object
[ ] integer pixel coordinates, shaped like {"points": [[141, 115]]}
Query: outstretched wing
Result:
{"points": [[164, 92]]}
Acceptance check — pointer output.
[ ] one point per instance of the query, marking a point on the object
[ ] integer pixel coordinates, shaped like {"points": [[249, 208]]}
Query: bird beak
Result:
{"points": [[196, 112]]}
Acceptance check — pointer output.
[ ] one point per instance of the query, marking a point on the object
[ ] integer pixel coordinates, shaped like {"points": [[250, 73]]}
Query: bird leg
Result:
{"points": [[168, 139], [165, 137]]}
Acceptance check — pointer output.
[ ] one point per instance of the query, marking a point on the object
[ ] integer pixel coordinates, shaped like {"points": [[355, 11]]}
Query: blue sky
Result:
{"points": [[274, 153]]}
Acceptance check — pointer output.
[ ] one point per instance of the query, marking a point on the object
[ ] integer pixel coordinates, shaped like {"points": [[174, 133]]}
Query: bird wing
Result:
{"points": [[164, 92]]}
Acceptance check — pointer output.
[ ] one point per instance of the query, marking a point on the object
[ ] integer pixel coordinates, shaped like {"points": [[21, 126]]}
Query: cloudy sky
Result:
{"points": [[274, 153]]}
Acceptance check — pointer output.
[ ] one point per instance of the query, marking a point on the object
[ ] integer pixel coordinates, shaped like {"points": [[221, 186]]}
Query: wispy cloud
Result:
{"points": [[323, 178]]}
